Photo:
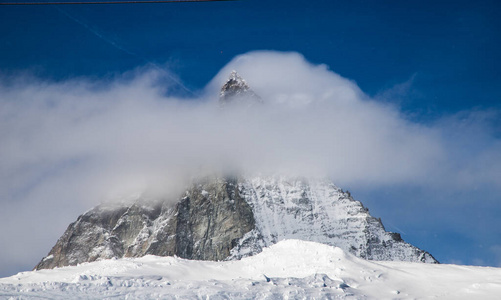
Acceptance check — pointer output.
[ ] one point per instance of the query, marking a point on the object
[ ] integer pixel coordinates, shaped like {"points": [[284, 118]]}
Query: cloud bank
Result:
{"points": [[66, 146]]}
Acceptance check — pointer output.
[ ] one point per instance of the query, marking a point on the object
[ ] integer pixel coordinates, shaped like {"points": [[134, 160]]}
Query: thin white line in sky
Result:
{"points": [[121, 48]]}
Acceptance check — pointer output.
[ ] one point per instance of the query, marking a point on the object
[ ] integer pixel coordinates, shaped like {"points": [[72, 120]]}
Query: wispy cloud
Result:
{"points": [[69, 145]]}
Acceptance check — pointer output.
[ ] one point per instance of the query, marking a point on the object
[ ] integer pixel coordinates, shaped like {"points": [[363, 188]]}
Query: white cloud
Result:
{"points": [[68, 145]]}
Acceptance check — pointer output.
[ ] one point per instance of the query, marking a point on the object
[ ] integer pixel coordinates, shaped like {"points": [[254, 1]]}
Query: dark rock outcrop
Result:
{"points": [[204, 224]]}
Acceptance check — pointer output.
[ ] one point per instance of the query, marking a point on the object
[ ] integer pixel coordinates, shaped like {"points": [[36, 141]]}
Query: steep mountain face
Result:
{"points": [[229, 218], [205, 224], [317, 211], [223, 218]]}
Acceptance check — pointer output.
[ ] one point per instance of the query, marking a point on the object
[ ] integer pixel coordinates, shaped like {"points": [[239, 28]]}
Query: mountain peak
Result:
{"points": [[236, 90], [235, 76]]}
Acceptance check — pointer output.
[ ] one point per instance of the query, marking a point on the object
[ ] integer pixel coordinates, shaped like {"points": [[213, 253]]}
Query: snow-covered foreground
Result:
{"points": [[290, 269]]}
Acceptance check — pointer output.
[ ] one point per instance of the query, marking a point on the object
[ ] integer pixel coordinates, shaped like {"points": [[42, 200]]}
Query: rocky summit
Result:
{"points": [[237, 91], [230, 217]]}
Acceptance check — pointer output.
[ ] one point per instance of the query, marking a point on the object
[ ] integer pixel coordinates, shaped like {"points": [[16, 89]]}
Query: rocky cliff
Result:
{"points": [[205, 223]]}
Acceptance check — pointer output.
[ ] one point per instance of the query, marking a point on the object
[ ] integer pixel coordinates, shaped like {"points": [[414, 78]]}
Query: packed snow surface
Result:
{"points": [[289, 269]]}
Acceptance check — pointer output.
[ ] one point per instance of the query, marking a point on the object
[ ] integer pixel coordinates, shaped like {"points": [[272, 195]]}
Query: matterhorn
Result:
{"points": [[230, 216]]}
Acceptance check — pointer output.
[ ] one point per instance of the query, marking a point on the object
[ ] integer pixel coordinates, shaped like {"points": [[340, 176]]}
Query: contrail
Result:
{"points": [[96, 33], [121, 48]]}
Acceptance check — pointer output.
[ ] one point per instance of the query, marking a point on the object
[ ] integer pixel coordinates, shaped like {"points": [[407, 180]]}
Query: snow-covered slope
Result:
{"points": [[316, 210], [289, 269]]}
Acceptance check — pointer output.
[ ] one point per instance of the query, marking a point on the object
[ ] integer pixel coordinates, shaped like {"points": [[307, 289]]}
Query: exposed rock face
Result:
{"points": [[228, 218], [205, 224]]}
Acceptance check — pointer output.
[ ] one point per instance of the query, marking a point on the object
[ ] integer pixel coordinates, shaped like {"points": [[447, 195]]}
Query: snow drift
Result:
{"points": [[288, 269]]}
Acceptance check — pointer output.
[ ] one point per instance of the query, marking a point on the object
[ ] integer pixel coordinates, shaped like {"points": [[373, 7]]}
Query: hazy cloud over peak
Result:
{"points": [[69, 145]]}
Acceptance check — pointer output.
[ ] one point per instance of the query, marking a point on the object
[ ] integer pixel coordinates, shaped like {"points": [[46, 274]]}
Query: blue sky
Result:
{"points": [[449, 48], [433, 61]]}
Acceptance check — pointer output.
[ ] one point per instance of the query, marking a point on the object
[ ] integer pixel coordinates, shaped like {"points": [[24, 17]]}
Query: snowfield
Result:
{"points": [[289, 269]]}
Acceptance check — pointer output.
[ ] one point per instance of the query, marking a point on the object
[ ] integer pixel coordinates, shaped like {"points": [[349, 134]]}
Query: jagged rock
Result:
{"points": [[204, 224]]}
